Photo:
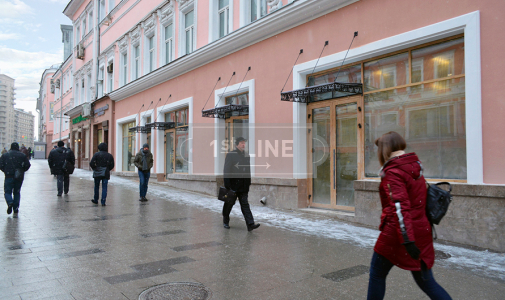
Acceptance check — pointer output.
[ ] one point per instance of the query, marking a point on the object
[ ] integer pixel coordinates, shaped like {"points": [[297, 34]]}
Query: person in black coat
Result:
{"points": [[237, 177], [9, 162], [56, 160], [102, 161]]}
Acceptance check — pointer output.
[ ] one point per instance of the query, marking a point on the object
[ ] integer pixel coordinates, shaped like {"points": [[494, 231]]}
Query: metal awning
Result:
{"points": [[306, 95], [222, 111], [141, 129], [160, 125]]}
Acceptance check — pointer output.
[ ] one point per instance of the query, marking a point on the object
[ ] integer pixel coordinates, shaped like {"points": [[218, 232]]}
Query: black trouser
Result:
{"points": [[244, 206], [63, 183]]}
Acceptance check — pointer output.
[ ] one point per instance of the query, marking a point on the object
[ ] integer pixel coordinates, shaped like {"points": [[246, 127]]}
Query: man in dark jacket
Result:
{"points": [[9, 162], [144, 162], [101, 161], [237, 177], [56, 161]]}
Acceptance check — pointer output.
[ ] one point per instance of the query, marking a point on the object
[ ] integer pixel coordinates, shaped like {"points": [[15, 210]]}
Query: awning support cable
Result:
{"points": [[325, 44], [249, 69], [224, 90], [211, 93], [301, 51], [355, 35], [163, 105]]}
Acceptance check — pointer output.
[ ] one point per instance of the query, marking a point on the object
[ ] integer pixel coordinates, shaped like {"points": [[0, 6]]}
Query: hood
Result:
{"points": [[15, 146], [102, 147], [409, 163], [60, 149]]}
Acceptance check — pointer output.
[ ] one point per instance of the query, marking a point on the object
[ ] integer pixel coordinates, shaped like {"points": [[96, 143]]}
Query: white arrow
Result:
{"points": [[267, 165]]}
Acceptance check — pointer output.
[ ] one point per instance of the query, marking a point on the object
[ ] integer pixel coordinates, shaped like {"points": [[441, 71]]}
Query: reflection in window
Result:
{"points": [[351, 74], [432, 122], [128, 147], [386, 72]]}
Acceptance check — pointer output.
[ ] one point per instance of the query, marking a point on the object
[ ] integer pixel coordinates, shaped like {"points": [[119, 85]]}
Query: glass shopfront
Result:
{"points": [[176, 142], [418, 92], [128, 147]]}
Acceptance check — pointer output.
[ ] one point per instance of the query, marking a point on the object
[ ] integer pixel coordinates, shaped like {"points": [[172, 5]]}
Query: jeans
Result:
{"points": [[104, 189], [380, 268], [244, 206], [144, 180], [63, 183], [11, 186]]}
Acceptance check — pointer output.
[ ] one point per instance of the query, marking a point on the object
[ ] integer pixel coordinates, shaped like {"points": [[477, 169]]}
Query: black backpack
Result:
{"points": [[437, 203]]}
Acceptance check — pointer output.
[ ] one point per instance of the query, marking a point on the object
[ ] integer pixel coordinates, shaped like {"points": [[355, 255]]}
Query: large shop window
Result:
{"points": [[128, 147], [176, 142], [425, 105]]}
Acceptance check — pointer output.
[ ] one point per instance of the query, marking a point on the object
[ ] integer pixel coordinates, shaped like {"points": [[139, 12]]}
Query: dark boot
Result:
{"points": [[253, 226]]}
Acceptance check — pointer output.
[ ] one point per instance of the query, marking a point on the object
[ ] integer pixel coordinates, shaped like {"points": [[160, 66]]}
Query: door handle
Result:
{"points": [[334, 169]]}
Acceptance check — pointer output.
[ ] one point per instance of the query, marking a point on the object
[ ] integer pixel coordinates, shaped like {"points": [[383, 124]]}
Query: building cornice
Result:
{"points": [[290, 16], [72, 8]]}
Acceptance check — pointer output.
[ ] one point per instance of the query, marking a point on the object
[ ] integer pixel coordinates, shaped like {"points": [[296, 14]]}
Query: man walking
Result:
{"points": [[237, 177], [144, 162], [101, 163], [56, 161], [24, 150], [13, 164]]}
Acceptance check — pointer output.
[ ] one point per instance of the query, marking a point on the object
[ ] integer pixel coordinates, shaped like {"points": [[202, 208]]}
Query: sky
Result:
{"points": [[30, 42]]}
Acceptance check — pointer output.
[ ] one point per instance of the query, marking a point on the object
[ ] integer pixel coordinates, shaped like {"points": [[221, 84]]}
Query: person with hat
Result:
{"points": [[144, 162], [237, 177], [56, 160], [14, 164]]}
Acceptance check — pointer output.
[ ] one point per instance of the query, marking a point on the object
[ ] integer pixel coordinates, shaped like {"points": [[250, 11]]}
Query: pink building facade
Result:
{"points": [[201, 73], [45, 107]]}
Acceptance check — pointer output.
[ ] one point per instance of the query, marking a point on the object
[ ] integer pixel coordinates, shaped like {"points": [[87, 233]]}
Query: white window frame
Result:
{"points": [[119, 139], [90, 21], [469, 24], [77, 35], [214, 19], [245, 11], [110, 76], [148, 52], [160, 145], [134, 59], [163, 58], [102, 10], [89, 96], [220, 95], [183, 10], [123, 68], [111, 5], [83, 90], [100, 84]]}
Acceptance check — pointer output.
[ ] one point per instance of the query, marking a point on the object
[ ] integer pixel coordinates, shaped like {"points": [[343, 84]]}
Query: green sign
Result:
{"points": [[78, 119]]}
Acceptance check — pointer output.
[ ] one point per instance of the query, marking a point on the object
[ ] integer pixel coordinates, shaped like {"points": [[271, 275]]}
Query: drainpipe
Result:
{"points": [[97, 43]]}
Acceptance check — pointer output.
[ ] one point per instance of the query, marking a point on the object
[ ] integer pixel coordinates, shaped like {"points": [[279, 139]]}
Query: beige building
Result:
{"points": [[23, 127], [7, 115]]}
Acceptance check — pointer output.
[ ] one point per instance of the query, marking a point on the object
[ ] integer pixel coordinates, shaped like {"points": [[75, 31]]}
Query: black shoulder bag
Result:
{"points": [[226, 195], [437, 202]]}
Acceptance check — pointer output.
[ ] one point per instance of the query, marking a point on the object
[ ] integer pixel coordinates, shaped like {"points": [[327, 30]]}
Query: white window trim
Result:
{"points": [[245, 12], [214, 19], [122, 80], [163, 51], [119, 139], [100, 86], [182, 29], [110, 89], [147, 53], [220, 124], [469, 24], [132, 60], [160, 140]]}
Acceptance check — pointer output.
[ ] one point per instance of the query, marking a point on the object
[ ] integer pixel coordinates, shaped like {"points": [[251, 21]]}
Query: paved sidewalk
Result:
{"points": [[68, 248]]}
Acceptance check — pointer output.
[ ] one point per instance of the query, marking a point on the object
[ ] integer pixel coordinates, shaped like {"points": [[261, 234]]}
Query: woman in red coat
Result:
{"points": [[406, 239]]}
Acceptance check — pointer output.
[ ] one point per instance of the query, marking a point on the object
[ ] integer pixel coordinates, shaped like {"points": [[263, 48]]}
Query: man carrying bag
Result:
{"points": [[14, 164], [237, 177], [101, 163], [60, 161]]}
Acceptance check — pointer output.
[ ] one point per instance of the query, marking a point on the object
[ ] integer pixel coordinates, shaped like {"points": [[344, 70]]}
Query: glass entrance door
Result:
{"points": [[333, 156], [169, 151]]}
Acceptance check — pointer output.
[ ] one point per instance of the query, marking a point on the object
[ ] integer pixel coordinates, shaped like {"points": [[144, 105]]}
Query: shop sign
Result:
{"points": [[101, 111], [78, 119]]}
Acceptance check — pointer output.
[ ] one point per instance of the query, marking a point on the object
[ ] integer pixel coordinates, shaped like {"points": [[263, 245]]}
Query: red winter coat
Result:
{"points": [[403, 194]]}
